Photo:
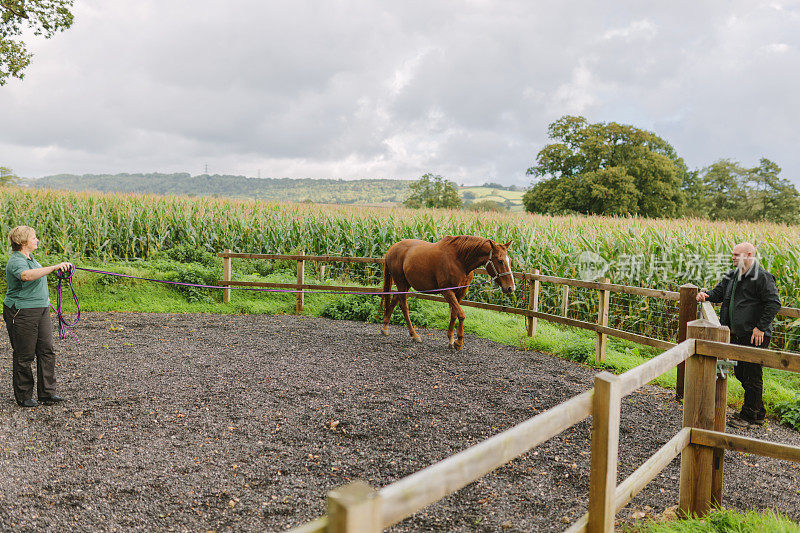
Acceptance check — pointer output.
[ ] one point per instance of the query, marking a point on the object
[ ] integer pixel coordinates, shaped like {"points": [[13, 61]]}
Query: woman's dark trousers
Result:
{"points": [[31, 334]]}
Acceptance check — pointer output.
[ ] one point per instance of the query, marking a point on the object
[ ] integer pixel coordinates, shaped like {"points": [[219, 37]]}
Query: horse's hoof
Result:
{"points": [[417, 338], [458, 347], [384, 331], [451, 346]]}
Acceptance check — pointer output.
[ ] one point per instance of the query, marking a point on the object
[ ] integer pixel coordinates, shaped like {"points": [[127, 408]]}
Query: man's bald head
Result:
{"points": [[744, 254]]}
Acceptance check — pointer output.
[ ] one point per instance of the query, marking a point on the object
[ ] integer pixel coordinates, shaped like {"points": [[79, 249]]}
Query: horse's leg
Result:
{"points": [[387, 313], [459, 294], [404, 308], [451, 327], [455, 311]]}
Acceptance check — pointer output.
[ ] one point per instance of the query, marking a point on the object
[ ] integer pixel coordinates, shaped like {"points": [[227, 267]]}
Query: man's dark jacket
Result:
{"points": [[755, 303]]}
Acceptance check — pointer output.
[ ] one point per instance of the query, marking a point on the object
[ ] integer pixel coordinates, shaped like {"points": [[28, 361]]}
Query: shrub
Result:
{"points": [[197, 274], [365, 309], [486, 205], [789, 411], [186, 253]]}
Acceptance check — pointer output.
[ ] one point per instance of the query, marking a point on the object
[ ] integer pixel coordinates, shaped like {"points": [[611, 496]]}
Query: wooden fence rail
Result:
{"points": [[531, 312], [685, 298]]}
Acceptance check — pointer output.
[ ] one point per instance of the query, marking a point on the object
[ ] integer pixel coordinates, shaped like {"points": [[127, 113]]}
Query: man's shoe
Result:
{"points": [[740, 421], [30, 402], [50, 400]]}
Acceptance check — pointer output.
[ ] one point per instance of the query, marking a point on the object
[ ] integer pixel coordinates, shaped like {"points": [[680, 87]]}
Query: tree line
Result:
{"points": [[618, 169]]}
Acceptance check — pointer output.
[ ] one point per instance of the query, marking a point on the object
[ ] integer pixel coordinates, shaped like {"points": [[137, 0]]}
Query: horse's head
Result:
{"points": [[499, 266]]}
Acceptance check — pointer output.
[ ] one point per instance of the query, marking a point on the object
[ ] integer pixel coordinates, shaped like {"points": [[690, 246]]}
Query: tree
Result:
{"points": [[696, 194], [486, 205], [606, 169], [7, 177], [42, 17], [433, 191], [728, 190], [772, 198], [724, 188]]}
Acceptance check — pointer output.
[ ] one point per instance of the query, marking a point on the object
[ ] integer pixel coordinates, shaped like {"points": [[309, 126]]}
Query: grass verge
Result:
{"points": [[721, 521]]}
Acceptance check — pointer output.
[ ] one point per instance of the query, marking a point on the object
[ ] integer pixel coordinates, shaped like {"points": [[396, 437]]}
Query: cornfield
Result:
{"points": [[660, 254]]}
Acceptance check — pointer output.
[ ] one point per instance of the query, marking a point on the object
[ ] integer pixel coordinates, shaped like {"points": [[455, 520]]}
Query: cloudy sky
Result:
{"points": [[378, 89]]}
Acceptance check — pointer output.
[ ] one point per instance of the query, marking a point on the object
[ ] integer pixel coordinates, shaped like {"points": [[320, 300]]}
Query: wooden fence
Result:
{"points": [[357, 507], [685, 298]]}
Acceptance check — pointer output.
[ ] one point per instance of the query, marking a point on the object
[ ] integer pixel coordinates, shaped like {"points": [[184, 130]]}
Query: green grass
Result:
{"points": [[722, 521]]}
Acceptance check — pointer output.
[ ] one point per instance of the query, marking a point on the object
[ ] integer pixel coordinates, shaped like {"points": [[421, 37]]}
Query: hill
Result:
{"points": [[375, 192], [366, 191]]}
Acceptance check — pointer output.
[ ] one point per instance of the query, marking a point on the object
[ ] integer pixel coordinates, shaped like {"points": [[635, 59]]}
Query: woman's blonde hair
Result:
{"points": [[19, 236]]}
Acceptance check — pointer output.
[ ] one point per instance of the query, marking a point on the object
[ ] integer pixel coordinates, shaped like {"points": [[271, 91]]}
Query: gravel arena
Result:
{"points": [[242, 423]]}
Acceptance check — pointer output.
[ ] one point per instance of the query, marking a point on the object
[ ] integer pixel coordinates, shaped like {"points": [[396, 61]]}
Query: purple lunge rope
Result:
{"points": [[64, 326], [274, 290]]}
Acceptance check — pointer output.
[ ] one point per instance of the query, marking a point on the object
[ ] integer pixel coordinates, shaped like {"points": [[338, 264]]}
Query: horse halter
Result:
{"points": [[496, 273]]}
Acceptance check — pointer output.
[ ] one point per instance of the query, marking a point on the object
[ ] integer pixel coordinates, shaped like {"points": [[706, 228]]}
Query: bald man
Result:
{"points": [[750, 302]]}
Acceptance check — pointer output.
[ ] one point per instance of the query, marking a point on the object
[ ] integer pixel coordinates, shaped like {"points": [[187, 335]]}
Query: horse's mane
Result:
{"points": [[468, 247]]}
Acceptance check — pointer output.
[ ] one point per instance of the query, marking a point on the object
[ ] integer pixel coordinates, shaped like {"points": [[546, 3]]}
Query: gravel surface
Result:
{"points": [[208, 422]]}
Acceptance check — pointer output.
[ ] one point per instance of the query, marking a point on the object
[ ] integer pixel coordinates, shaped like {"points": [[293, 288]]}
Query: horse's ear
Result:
{"points": [[508, 244]]}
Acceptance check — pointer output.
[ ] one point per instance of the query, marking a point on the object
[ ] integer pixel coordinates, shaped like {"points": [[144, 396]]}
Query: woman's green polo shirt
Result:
{"points": [[24, 294]]}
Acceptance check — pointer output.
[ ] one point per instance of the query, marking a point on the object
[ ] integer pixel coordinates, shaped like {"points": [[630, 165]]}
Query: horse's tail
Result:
{"points": [[387, 286]]}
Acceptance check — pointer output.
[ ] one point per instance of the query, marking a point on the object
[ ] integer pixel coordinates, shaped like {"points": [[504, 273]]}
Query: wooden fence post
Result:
{"points": [[720, 408], [533, 303], [698, 412], [301, 265], [354, 508], [322, 271], [687, 313], [605, 450], [603, 297], [564, 299], [226, 276]]}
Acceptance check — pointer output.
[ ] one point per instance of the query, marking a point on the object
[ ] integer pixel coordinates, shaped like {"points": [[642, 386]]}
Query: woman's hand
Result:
{"points": [[63, 267]]}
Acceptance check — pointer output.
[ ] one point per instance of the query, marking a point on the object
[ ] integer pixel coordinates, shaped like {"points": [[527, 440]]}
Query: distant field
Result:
{"points": [[497, 195]]}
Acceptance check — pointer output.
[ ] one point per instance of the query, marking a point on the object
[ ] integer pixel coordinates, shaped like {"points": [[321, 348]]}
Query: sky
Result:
{"points": [[378, 89]]}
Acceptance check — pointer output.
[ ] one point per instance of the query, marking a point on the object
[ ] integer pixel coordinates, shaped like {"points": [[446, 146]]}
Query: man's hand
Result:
{"points": [[701, 296], [757, 338]]}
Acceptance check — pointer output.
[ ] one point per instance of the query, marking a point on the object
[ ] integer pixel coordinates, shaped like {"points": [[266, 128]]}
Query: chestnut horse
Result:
{"points": [[448, 263]]}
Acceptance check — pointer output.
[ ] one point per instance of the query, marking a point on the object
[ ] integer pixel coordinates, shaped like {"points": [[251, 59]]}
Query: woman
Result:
{"points": [[26, 310]]}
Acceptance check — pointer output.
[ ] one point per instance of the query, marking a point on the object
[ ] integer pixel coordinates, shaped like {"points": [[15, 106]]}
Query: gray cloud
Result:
{"points": [[366, 89]]}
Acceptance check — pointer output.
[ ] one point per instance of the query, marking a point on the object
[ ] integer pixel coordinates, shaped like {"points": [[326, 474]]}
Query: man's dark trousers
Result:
{"points": [[750, 374], [31, 334]]}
